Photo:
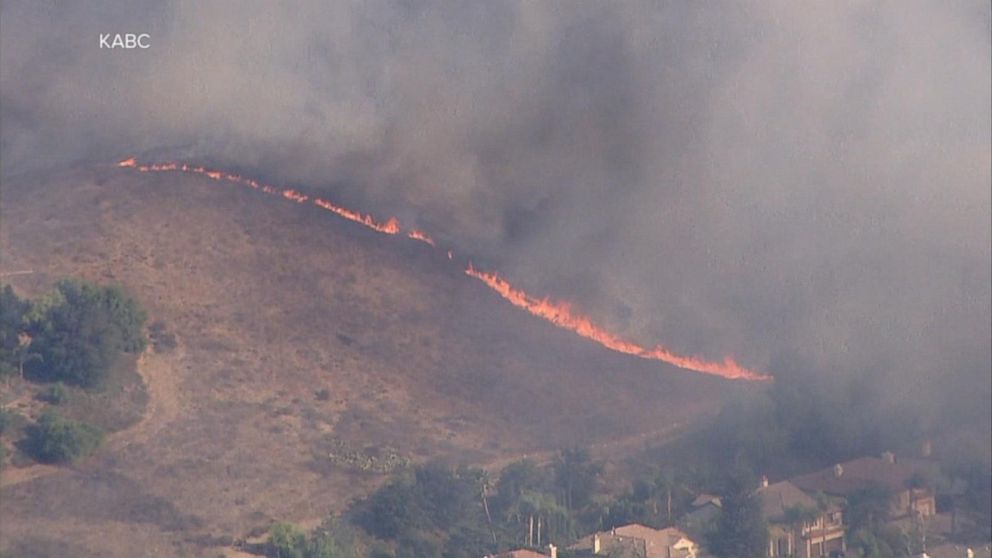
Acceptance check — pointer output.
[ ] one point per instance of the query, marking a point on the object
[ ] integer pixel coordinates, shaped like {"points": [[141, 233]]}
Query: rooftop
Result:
{"points": [[778, 497], [858, 474]]}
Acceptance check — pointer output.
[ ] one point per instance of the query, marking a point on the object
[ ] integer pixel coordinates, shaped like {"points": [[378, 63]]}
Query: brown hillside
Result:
{"points": [[269, 302]]}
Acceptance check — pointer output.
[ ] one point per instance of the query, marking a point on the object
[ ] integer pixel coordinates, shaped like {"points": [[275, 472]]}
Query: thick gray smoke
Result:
{"points": [[785, 182]]}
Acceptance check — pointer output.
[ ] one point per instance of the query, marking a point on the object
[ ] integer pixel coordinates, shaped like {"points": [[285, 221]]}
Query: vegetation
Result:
{"points": [[442, 511], [55, 394], [73, 335], [383, 461], [433, 511], [80, 336], [13, 350], [6, 419], [55, 439], [741, 529], [327, 541]]}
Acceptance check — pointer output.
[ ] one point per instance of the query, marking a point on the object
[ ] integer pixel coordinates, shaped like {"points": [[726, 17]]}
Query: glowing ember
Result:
{"points": [[559, 313]]}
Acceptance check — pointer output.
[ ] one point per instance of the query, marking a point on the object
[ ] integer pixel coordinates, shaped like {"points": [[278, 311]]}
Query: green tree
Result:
{"points": [[81, 329], [55, 394], [6, 419], [514, 481], [55, 439], [286, 541], [576, 478], [741, 529], [12, 312], [868, 509]]}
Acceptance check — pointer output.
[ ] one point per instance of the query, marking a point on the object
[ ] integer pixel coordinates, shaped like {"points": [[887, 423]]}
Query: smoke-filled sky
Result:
{"points": [[795, 184]]}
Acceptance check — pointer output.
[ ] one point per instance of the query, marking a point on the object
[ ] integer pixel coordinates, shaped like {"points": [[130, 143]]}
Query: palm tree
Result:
{"points": [[664, 483], [485, 483], [540, 508]]}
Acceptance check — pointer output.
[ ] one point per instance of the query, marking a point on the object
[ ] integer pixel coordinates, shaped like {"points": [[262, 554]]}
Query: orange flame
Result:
{"points": [[392, 226], [558, 313], [561, 314], [295, 196], [421, 236]]}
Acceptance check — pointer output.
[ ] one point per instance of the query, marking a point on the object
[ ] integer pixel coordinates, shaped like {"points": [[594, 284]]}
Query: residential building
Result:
{"points": [[797, 524], [637, 541], [908, 498], [527, 553]]}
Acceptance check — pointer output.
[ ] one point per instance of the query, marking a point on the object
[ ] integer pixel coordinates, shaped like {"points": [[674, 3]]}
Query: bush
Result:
{"points": [[286, 541], [6, 419], [55, 394], [55, 439]]}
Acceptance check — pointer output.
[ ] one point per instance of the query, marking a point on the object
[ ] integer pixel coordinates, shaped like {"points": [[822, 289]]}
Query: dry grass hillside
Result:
{"points": [[271, 302]]}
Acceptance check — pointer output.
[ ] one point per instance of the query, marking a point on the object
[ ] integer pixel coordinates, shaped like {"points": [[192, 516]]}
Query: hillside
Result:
{"points": [[270, 303]]}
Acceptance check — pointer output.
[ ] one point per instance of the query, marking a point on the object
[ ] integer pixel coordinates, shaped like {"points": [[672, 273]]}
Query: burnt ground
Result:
{"points": [[263, 303]]}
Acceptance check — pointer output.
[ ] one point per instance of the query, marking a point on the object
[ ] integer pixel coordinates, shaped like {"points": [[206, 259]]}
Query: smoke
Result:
{"points": [[785, 183]]}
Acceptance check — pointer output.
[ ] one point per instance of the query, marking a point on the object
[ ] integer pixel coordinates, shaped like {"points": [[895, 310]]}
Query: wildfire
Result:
{"points": [[557, 312], [295, 196], [421, 236], [392, 226], [561, 314]]}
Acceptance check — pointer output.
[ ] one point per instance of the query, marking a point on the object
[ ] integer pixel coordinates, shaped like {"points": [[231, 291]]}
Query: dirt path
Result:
{"points": [[162, 385], [158, 370]]}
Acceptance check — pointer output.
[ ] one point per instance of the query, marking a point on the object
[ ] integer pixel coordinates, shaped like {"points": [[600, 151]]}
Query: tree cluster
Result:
{"points": [[741, 529], [73, 335], [286, 541], [433, 511]]}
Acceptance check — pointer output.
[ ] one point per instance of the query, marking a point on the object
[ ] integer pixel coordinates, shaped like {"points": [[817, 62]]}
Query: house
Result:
{"points": [[959, 551], [908, 498], [637, 541], [527, 553], [797, 524]]}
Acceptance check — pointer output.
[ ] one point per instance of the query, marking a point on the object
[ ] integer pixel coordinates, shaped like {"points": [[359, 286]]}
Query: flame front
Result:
{"points": [[421, 236], [558, 313], [561, 314]]}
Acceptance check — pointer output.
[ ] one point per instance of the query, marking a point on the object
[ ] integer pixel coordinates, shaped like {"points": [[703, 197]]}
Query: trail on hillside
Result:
{"points": [[161, 384]]}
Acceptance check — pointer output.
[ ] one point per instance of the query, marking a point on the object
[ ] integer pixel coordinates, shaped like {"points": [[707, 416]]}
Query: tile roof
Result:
{"points": [[521, 553], [778, 497], [856, 475]]}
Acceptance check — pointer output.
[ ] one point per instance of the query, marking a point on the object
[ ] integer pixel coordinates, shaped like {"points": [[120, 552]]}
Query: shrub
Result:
{"points": [[80, 330], [6, 419], [55, 394], [55, 439]]}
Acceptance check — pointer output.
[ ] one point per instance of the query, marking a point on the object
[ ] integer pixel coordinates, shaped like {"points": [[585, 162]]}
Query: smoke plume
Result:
{"points": [[796, 185]]}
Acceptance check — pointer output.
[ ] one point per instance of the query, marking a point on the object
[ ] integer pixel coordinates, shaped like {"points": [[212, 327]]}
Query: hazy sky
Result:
{"points": [[785, 182]]}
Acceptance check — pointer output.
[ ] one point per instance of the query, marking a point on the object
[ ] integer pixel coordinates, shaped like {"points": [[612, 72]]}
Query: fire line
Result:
{"points": [[559, 313]]}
